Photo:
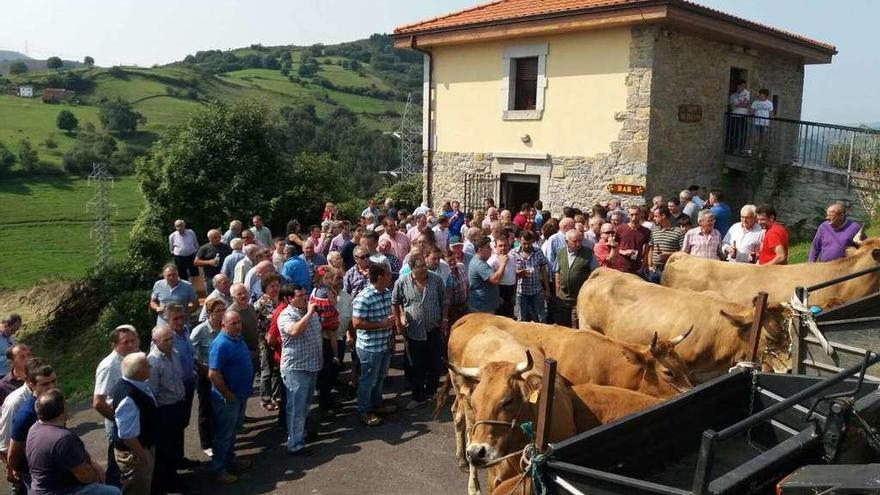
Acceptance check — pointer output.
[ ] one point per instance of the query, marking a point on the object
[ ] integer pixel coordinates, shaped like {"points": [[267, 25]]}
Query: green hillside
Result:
{"points": [[368, 77]]}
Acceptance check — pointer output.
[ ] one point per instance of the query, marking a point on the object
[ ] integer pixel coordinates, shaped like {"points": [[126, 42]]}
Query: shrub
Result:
{"points": [[7, 159], [127, 308]]}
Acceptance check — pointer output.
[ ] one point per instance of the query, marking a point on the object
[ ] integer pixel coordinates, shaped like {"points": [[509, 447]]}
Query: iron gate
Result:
{"points": [[477, 187]]}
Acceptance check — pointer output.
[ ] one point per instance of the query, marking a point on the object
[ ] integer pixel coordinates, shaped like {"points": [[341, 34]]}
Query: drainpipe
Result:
{"points": [[429, 128]]}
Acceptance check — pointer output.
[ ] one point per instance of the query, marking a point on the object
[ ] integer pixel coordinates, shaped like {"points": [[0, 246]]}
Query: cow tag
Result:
{"points": [[533, 397]]}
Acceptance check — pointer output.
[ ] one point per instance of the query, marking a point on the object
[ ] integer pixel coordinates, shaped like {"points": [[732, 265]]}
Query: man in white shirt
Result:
{"points": [[739, 106], [762, 109], [262, 234], [507, 284], [743, 239], [183, 246]]}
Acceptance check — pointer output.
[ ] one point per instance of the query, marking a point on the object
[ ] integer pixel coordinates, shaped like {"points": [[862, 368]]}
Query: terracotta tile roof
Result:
{"points": [[505, 10], [508, 10]]}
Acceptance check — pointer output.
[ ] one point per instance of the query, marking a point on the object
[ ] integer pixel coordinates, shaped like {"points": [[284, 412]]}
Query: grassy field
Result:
{"points": [[47, 227]]}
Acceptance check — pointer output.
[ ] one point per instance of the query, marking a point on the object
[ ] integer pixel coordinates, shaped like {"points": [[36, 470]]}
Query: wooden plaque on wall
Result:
{"points": [[690, 113], [628, 189]]}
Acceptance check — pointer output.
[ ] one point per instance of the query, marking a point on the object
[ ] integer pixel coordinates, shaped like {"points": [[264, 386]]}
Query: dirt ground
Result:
{"points": [[410, 453]]}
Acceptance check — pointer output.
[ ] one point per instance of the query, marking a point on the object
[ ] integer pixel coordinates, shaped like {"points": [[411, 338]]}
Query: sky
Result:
{"points": [[128, 32]]}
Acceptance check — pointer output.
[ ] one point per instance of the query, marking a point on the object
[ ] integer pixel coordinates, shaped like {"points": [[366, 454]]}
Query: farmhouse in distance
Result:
{"points": [[576, 101]]}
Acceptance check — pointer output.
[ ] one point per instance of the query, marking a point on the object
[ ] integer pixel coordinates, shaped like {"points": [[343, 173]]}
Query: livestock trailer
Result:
{"points": [[741, 433]]}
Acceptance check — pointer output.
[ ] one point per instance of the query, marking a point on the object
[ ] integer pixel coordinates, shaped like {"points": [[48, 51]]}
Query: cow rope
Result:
{"points": [[801, 311]]}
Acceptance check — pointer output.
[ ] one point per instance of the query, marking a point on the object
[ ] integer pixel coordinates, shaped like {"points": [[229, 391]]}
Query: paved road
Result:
{"points": [[408, 454]]}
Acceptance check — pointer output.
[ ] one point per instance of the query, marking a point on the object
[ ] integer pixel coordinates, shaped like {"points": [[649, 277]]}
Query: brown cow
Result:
{"points": [[503, 395], [586, 356], [493, 345], [740, 282], [627, 308]]}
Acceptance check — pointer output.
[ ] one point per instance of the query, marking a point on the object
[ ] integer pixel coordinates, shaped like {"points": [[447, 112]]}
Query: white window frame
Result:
{"points": [[508, 68]]}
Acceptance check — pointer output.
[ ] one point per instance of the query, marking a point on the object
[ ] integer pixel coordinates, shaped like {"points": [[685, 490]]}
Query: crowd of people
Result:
{"points": [[284, 311]]}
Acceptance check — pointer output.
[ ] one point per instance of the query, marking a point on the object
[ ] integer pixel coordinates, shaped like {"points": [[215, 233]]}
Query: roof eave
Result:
{"points": [[680, 13]]}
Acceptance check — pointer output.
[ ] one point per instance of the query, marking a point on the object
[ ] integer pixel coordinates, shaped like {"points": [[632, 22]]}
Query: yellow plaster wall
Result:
{"points": [[586, 75]]}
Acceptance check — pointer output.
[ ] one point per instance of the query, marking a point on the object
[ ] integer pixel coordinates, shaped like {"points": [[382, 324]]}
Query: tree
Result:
{"points": [[66, 121], [118, 116], [6, 159], [18, 68], [89, 61], [222, 163], [54, 63], [27, 155]]}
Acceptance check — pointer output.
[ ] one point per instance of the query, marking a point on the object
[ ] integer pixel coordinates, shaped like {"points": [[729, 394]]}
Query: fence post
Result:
{"points": [[757, 325], [852, 139], [798, 346], [545, 405]]}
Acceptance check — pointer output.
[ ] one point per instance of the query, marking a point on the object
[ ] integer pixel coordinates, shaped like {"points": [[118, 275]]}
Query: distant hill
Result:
{"points": [[33, 64], [10, 55], [368, 77]]}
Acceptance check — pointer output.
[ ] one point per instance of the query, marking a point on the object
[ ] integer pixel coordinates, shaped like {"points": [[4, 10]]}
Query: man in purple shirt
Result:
{"points": [[834, 235]]}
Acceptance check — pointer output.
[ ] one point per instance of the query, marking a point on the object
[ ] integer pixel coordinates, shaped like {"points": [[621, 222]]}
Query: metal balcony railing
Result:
{"points": [[850, 151]]}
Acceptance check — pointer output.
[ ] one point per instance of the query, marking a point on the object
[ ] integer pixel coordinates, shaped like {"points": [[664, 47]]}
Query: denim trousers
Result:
{"points": [[531, 307], [300, 387], [228, 419], [374, 369], [96, 489], [111, 476]]}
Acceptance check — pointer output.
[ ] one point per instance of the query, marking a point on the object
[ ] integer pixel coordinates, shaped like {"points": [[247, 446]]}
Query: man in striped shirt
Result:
{"points": [[665, 240], [373, 322]]}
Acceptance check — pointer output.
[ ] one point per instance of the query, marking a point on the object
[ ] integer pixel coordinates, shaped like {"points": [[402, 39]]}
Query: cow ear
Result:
{"points": [[533, 388], [634, 357], [738, 320]]}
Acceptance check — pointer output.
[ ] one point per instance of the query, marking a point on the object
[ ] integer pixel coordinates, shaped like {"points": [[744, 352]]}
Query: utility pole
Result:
{"points": [[100, 204]]}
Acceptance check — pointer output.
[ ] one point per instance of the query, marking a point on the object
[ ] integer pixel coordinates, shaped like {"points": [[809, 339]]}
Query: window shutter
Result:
{"points": [[526, 89]]}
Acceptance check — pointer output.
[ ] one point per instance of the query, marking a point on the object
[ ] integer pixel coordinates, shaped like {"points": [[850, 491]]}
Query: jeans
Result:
{"points": [[531, 307], [96, 489], [228, 419], [654, 277], [508, 297], [424, 365], [374, 369], [300, 390]]}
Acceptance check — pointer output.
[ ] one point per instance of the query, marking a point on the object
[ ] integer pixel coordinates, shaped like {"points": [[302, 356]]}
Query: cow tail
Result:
{"points": [[442, 394]]}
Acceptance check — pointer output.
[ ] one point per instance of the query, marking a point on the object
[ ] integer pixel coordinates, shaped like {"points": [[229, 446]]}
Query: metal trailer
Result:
{"points": [[738, 434]]}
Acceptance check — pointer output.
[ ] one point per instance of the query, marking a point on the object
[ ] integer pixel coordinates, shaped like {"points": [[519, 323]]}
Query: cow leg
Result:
{"points": [[458, 421]]}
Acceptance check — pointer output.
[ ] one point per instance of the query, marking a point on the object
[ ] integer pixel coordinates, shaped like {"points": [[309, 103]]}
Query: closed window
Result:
{"points": [[525, 83]]}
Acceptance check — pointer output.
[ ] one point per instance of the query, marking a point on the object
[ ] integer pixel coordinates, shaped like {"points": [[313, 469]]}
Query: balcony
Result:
{"points": [[850, 151]]}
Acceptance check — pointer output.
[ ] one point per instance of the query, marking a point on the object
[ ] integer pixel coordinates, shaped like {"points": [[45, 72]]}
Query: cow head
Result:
{"points": [[502, 396], [663, 370]]}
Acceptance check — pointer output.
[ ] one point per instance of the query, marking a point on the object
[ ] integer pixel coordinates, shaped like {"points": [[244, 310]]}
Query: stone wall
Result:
{"points": [[802, 194], [690, 70], [572, 180]]}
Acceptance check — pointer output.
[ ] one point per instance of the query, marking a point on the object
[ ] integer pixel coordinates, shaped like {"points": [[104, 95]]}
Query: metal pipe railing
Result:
{"points": [[844, 278]]}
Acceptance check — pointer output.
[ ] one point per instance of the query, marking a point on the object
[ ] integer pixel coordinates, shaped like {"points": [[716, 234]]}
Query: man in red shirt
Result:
{"points": [[522, 218], [632, 243], [774, 247]]}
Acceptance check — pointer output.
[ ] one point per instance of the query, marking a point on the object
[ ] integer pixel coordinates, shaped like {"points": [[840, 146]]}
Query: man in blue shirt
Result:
{"points": [[456, 218], [296, 272], [172, 289], [10, 324], [483, 280], [231, 373], [720, 211]]}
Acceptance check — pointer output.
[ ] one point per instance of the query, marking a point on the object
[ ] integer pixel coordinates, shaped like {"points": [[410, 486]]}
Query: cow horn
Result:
{"points": [[681, 337], [465, 372], [525, 365], [857, 239], [653, 342]]}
